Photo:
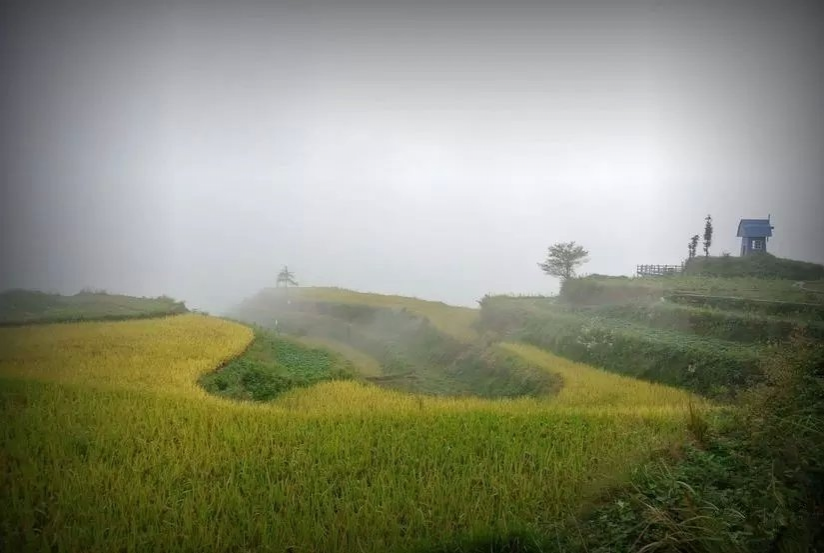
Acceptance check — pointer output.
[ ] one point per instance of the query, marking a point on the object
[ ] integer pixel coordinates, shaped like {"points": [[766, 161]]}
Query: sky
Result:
{"points": [[430, 149]]}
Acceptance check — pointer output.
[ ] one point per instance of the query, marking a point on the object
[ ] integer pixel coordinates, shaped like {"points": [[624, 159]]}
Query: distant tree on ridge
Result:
{"points": [[707, 235], [563, 258], [693, 246], [286, 277]]}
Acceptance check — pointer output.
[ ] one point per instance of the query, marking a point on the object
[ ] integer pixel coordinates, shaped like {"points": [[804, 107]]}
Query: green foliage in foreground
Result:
{"points": [[754, 484], [29, 307], [272, 365], [751, 481]]}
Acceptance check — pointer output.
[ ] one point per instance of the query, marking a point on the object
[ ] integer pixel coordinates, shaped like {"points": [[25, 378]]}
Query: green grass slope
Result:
{"points": [[702, 363], [29, 307], [422, 347], [599, 289], [760, 265], [704, 333], [458, 322]]}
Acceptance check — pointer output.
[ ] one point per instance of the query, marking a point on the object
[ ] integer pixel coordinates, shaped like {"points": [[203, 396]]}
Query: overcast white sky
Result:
{"points": [[436, 151]]}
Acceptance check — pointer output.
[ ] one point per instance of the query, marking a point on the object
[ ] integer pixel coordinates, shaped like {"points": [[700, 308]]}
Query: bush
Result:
{"points": [[786, 423], [756, 484]]}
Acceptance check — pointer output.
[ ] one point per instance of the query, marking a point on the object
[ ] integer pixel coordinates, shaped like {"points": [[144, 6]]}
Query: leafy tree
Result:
{"points": [[286, 277], [707, 235], [563, 258], [693, 245]]}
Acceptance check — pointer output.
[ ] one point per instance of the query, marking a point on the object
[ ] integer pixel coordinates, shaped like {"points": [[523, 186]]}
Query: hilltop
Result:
{"points": [[458, 322]]}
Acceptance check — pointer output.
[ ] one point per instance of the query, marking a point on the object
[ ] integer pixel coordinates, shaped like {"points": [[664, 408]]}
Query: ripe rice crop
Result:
{"points": [[109, 444]]}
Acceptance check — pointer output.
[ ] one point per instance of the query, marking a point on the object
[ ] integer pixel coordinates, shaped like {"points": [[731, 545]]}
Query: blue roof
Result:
{"points": [[754, 228]]}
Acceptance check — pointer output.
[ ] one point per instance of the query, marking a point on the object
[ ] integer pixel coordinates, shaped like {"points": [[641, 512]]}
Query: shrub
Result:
{"points": [[755, 483]]}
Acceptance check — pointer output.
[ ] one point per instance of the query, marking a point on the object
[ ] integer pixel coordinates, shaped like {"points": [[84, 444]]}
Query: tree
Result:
{"points": [[693, 245], [562, 259], [707, 235], [286, 277]]}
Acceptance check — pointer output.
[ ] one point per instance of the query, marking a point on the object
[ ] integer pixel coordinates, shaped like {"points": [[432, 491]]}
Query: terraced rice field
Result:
{"points": [[109, 444]]}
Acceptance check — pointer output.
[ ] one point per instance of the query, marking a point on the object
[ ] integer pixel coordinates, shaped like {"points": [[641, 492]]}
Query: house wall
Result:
{"points": [[747, 244]]}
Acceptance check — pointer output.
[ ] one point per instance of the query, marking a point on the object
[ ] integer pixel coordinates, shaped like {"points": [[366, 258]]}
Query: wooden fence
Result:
{"points": [[658, 270]]}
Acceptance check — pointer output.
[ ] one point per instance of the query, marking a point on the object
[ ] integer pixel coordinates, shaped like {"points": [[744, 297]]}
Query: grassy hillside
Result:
{"points": [[407, 337], [751, 479], [110, 443], [703, 333], [27, 306], [680, 357], [457, 322], [604, 289], [759, 265]]}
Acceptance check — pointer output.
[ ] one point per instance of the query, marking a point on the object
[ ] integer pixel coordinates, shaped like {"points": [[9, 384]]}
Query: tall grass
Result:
{"points": [[109, 444]]}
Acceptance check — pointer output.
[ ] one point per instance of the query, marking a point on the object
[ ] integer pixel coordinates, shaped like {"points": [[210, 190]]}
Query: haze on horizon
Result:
{"points": [[433, 149]]}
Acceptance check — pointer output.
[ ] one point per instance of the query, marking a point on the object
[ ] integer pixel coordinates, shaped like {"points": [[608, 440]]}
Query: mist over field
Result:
{"points": [[284, 275], [433, 150]]}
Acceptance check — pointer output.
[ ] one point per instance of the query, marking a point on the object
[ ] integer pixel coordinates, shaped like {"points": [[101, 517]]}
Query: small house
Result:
{"points": [[754, 234]]}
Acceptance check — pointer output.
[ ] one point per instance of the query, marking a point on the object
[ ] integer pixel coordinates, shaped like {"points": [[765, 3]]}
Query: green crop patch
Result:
{"points": [[273, 365]]}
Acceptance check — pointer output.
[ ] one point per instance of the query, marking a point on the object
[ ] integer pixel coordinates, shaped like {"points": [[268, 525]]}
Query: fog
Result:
{"points": [[434, 151]]}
